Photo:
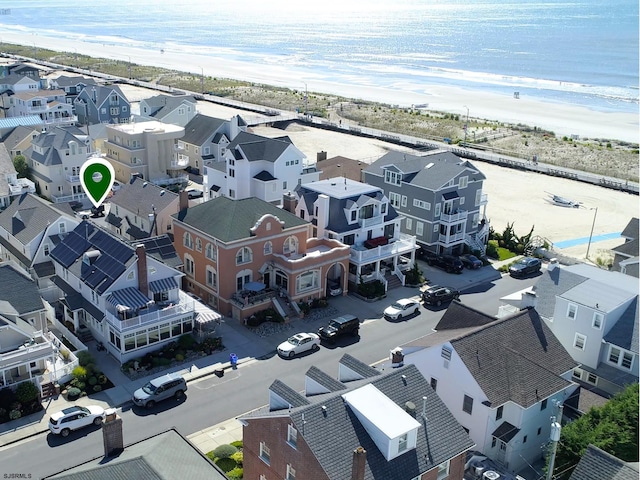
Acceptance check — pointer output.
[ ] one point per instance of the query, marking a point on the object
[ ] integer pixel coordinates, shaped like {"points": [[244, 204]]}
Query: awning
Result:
{"points": [[128, 297], [163, 285], [255, 286], [505, 432], [450, 195], [204, 314]]}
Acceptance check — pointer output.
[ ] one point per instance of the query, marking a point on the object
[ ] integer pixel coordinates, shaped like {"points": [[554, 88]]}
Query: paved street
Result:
{"points": [[207, 414]]}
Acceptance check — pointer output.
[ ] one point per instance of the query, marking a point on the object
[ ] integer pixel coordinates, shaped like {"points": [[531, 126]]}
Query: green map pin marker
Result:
{"points": [[97, 176]]}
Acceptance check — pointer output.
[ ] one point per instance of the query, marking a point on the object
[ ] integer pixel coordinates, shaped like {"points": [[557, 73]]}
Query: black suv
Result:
{"points": [[338, 327], [448, 263], [437, 295]]}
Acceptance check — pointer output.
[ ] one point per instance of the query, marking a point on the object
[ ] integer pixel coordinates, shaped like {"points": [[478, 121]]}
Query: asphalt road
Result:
{"points": [[213, 400]]}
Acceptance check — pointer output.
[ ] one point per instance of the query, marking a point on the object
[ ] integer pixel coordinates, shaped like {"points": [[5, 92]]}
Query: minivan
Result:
{"points": [[346, 324], [171, 385]]}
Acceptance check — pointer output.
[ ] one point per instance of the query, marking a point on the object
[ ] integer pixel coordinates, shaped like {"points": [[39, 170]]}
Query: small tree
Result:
{"points": [[20, 164], [26, 392]]}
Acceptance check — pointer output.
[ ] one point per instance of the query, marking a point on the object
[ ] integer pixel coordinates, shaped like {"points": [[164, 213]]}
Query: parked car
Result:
{"points": [[448, 263], [73, 418], [347, 324], [194, 193], [437, 295], [402, 308], [298, 343], [525, 266], [470, 261], [333, 288], [171, 385], [116, 186]]}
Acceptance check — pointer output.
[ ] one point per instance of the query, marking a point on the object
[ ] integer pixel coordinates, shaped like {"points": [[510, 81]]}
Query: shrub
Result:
{"points": [[224, 451], [97, 388], [179, 357], [79, 372], [15, 414], [237, 444], [3, 414], [237, 457], [65, 354], [27, 392], [102, 379], [235, 474], [225, 464], [93, 381], [304, 307], [73, 393], [186, 342], [85, 358]]}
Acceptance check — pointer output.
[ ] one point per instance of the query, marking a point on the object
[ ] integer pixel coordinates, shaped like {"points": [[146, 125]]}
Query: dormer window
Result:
{"points": [[394, 178], [354, 215]]}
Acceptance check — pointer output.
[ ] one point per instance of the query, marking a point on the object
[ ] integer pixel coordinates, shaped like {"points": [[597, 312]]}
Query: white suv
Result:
{"points": [[73, 418]]}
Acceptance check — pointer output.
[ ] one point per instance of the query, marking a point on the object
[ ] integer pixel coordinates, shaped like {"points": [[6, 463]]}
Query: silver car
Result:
{"points": [[171, 385]]}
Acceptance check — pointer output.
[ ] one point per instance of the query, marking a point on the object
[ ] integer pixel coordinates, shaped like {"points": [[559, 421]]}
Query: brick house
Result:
{"points": [[243, 256], [364, 425]]}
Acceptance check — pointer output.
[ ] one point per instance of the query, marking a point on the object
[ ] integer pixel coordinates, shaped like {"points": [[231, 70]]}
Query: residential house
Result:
{"points": [[55, 158], [147, 149], [49, 105], [162, 249], [28, 351], [596, 464], [361, 216], [176, 110], [25, 70], [10, 185], [439, 195], [243, 256], [340, 167], [627, 256], [102, 104], [163, 456], [14, 83], [256, 166], [501, 379], [140, 209], [205, 141], [125, 298], [364, 425], [7, 125], [71, 85], [594, 314], [29, 229], [19, 138]]}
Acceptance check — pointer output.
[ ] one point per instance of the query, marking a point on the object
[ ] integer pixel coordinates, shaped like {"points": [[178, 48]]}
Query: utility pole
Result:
{"points": [[556, 428], [306, 98], [466, 126], [201, 80], [129, 66], [591, 234]]}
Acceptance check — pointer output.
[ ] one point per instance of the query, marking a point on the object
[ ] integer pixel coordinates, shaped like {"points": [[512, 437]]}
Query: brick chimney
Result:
{"points": [[289, 202], [183, 200], [358, 465], [143, 281], [112, 433]]}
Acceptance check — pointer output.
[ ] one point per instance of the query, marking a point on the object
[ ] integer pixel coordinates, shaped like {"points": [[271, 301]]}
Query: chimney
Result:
{"points": [[143, 283], [289, 202], [553, 264], [358, 465], [112, 433], [529, 299], [321, 156], [95, 94], [183, 200]]}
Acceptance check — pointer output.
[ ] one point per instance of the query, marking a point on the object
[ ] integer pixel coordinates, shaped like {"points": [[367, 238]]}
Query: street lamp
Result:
{"points": [[306, 98], [466, 125], [591, 234], [129, 66], [201, 80]]}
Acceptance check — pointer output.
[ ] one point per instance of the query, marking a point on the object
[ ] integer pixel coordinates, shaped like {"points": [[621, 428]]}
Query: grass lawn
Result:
{"points": [[504, 254]]}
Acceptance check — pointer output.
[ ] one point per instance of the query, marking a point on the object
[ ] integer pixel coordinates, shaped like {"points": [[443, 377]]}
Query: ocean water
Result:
{"points": [[582, 52]]}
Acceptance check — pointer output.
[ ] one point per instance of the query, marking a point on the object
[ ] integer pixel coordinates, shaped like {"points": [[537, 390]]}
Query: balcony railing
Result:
{"points": [[68, 198], [404, 244], [368, 222], [159, 314], [25, 354], [460, 215], [23, 185], [181, 161], [484, 199], [451, 238], [73, 178]]}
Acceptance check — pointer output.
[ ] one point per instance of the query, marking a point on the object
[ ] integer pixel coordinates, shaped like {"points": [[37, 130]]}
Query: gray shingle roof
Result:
{"points": [[625, 332], [200, 128], [288, 394], [69, 81], [17, 135], [52, 142], [516, 358], [27, 216], [334, 433], [631, 230], [444, 167], [228, 220], [19, 291], [459, 316], [324, 379], [362, 369], [596, 464], [551, 284], [630, 248], [162, 105], [138, 197], [255, 147]]}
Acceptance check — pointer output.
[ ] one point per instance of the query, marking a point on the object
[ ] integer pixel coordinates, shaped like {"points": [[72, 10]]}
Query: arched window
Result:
{"points": [[198, 245], [187, 240], [212, 277], [308, 281], [268, 246], [210, 252], [244, 255], [290, 245], [189, 266]]}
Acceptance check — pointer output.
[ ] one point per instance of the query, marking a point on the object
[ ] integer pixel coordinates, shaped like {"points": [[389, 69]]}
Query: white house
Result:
{"points": [[501, 379]]}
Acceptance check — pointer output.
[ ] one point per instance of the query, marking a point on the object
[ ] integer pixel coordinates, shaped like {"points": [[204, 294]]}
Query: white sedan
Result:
{"points": [[402, 308], [73, 418], [298, 343]]}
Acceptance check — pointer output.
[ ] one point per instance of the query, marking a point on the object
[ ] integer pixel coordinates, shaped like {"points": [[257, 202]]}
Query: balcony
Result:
{"points": [[22, 185], [369, 222], [180, 162], [63, 120], [451, 238], [484, 199], [158, 312], [73, 178], [68, 198], [457, 217], [404, 244]]}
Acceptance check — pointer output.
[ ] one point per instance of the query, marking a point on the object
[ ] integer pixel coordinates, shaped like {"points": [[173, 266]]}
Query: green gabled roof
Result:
{"points": [[229, 220]]}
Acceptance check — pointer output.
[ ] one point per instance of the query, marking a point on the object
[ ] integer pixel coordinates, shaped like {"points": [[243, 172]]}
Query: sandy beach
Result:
{"points": [[560, 118]]}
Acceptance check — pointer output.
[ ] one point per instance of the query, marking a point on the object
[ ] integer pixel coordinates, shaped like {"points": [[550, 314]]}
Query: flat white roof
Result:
{"points": [[150, 126], [340, 187], [380, 410]]}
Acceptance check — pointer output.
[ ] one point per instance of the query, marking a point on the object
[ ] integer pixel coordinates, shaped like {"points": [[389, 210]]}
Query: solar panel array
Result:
{"points": [[162, 245], [72, 247]]}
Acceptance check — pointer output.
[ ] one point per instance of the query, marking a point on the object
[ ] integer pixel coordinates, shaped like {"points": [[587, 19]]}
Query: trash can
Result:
{"points": [[233, 359]]}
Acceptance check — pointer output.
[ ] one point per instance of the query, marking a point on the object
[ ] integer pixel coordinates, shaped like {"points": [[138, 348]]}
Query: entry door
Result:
{"points": [[502, 451]]}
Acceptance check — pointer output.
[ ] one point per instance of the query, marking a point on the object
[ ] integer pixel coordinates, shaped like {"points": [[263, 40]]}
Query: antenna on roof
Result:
{"points": [[424, 407]]}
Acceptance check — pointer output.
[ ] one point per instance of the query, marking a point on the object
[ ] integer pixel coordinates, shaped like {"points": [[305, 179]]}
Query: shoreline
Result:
{"points": [[562, 119]]}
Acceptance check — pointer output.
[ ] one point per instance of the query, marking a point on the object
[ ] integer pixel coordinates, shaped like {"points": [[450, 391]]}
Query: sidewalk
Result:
{"points": [[246, 344]]}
